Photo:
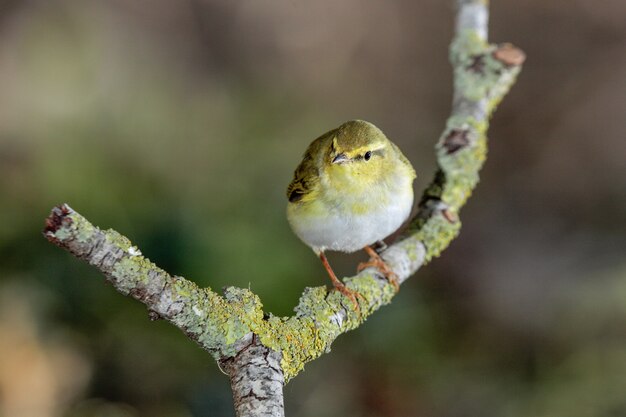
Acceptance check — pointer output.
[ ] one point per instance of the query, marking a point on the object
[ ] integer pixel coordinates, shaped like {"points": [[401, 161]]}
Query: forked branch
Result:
{"points": [[261, 351]]}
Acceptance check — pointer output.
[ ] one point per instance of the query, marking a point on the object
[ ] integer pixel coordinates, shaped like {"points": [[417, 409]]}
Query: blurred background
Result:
{"points": [[179, 124]]}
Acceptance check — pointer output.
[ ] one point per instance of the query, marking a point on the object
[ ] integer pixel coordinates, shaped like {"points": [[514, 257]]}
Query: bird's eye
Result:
{"points": [[367, 155]]}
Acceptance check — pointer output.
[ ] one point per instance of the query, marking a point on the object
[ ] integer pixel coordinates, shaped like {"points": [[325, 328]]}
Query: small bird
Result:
{"points": [[353, 188]]}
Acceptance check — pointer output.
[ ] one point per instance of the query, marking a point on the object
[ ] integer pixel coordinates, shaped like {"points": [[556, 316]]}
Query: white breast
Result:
{"points": [[338, 228]]}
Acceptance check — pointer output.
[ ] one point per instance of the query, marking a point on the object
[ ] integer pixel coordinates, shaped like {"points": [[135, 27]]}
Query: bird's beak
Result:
{"points": [[342, 157]]}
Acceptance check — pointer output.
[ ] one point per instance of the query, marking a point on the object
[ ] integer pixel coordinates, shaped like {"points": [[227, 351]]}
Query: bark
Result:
{"points": [[257, 382]]}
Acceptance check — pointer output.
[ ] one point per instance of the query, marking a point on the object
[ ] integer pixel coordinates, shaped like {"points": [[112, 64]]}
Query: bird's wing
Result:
{"points": [[306, 178]]}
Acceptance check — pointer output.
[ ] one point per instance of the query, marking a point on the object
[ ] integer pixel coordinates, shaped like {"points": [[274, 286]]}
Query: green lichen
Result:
{"points": [[436, 235], [478, 75], [373, 293], [298, 339], [64, 234], [217, 322], [84, 229], [467, 43], [246, 300], [76, 228], [501, 89], [309, 333], [413, 247], [116, 239], [461, 171], [131, 272]]}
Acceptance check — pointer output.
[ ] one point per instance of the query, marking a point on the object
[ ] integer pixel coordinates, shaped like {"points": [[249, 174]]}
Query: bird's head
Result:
{"points": [[358, 149]]}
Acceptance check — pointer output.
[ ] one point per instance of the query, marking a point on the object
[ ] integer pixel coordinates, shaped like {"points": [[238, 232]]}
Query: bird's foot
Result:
{"points": [[351, 294], [379, 246], [377, 262], [340, 286]]}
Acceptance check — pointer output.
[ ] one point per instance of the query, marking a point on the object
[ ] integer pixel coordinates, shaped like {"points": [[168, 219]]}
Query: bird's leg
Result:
{"points": [[379, 246], [377, 262], [340, 286]]}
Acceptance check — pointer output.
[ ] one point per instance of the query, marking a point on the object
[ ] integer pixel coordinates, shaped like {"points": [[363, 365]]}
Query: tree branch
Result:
{"points": [[233, 327], [257, 381]]}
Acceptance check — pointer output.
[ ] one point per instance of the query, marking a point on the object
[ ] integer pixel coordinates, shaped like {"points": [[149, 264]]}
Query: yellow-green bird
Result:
{"points": [[353, 188]]}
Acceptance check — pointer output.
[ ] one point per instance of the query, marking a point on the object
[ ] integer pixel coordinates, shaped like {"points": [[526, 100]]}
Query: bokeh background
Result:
{"points": [[179, 124]]}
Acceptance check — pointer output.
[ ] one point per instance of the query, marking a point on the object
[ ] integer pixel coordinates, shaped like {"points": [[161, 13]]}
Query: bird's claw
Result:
{"points": [[378, 263], [352, 295], [379, 246], [340, 286]]}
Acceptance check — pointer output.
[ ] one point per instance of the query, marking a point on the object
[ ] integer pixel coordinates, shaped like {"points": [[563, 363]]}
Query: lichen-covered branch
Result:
{"points": [[233, 326], [220, 324]]}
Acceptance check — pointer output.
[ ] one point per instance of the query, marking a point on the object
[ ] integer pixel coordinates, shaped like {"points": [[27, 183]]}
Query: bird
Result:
{"points": [[353, 188]]}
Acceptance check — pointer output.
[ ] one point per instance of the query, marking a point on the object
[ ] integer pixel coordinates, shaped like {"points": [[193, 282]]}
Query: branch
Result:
{"points": [[233, 327]]}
